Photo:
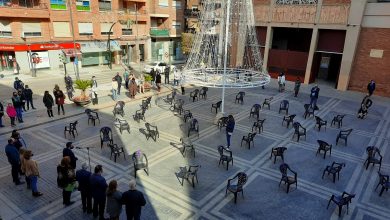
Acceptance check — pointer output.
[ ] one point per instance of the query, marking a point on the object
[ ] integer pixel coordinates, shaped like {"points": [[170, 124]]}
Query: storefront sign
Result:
{"points": [[37, 47], [40, 59]]}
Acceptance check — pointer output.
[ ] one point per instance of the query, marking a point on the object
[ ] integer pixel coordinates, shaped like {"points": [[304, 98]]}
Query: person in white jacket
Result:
{"points": [[281, 82], [114, 85]]}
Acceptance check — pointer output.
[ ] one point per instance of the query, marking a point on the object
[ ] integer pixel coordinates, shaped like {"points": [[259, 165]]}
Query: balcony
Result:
{"points": [[159, 32], [127, 14], [18, 11]]}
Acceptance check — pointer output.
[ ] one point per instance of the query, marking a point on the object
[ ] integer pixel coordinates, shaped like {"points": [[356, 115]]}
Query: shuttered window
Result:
{"points": [[61, 29], [105, 28], [85, 29], [5, 29], [32, 29]]}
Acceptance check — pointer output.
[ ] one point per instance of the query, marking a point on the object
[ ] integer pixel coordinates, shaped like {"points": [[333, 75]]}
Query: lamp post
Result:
{"points": [[225, 57], [30, 63], [109, 46], [75, 62]]}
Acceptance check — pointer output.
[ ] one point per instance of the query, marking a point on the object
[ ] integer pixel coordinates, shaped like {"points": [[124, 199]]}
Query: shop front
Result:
{"points": [[96, 53]]}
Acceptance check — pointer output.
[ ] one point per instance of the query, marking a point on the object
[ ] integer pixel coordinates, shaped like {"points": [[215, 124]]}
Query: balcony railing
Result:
{"points": [[159, 32]]}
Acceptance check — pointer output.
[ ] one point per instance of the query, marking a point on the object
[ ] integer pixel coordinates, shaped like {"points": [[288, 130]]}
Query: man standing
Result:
{"points": [[297, 86], [229, 129], [1, 115], [166, 74], [83, 176], [118, 79], [68, 152], [371, 87], [18, 84], [133, 200], [153, 75], [176, 77], [69, 86], [29, 99], [18, 104], [14, 159], [314, 96], [158, 81], [126, 77], [98, 189]]}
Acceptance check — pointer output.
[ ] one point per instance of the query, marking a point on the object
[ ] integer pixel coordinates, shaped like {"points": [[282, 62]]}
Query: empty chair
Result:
{"points": [[373, 156], [190, 173], [193, 126], [105, 136], [139, 114], [225, 155], [320, 122], [341, 201], [140, 162], [122, 125], [258, 125], [255, 111], [222, 122], [267, 102], [178, 106], [71, 129], [338, 119], [288, 119], [240, 97], [248, 139], [92, 116], [278, 152], [203, 92], [334, 169], [151, 132], [309, 110], [236, 184], [325, 147], [384, 182], [116, 151], [187, 115], [343, 134], [288, 176], [299, 130], [194, 95], [187, 146], [284, 104], [216, 106], [118, 109]]}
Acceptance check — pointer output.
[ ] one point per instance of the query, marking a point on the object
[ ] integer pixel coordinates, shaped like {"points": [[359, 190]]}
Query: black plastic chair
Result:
{"points": [[193, 126], [216, 106], [320, 122], [384, 181], [190, 173], [122, 124], [288, 119], [325, 147], [71, 129], [341, 201], [299, 130], [187, 115], [225, 156], [255, 111], [240, 97], [343, 134], [236, 184], [258, 125], [289, 176], [105, 136], [284, 104], [116, 151], [139, 114], [140, 162], [309, 110], [118, 109], [203, 92], [373, 156], [338, 119], [147, 103], [222, 122], [152, 132], [278, 152], [169, 99], [249, 139], [194, 95], [334, 169], [267, 102], [177, 106], [92, 116], [187, 146]]}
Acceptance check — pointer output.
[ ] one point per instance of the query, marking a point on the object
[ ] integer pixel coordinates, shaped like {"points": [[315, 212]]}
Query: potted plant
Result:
{"points": [[83, 85], [147, 84]]}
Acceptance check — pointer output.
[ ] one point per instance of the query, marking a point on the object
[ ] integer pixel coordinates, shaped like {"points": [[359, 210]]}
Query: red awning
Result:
{"points": [[36, 47]]}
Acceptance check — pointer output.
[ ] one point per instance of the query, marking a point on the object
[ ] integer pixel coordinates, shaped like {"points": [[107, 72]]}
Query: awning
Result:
{"points": [[100, 46], [37, 47]]}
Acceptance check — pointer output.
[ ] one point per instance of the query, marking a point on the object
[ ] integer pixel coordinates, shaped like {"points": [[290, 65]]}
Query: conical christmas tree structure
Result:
{"points": [[225, 52]]}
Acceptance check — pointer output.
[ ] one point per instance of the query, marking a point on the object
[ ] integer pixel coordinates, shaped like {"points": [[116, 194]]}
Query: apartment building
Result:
{"points": [[86, 29]]}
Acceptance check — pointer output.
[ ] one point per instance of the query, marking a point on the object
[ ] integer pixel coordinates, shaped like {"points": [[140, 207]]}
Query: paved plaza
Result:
{"points": [[263, 198]]}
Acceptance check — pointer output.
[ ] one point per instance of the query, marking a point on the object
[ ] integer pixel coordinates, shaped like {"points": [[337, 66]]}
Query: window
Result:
{"points": [[32, 29], [104, 5], [58, 4], [176, 4], [105, 28], [194, 7], [163, 3], [85, 29], [5, 29], [176, 25], [5, 3], [61, 29], [83, 5]]}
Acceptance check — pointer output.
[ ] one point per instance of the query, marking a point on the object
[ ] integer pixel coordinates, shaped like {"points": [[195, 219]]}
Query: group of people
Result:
{"points": [[59, 100], [133, 84]]}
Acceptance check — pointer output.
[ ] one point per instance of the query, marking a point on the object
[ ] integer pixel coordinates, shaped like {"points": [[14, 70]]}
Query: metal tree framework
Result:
{"points": [[225, 52]]}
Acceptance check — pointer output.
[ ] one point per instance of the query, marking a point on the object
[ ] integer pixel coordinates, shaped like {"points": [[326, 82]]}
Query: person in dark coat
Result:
{"points": [[1, 115], [60, 99], [364, 106], [166, 74], [22, 99], [68, 152], [13, 157], [15, 135], [48, 102], [158, 80], [118, 79], [69, 86], [153, 75], [28, 94], [83, 178], [297, 86], [371, 87], [133, 200], [98, 190], [18, 84], [314, 96], [229, 129], [66, 180], [18, 104]]}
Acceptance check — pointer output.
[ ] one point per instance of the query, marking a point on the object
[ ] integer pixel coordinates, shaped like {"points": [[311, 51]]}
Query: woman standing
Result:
{"points": [[60, 98], [297, 86], [31, 172], [11, 112], [133, 88], [66, 180], [49, 102], [141, 83], [114, 205]]}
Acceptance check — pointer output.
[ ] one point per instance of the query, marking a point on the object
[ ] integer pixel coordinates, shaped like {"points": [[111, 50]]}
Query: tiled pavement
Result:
{"points": [[167, 199]]}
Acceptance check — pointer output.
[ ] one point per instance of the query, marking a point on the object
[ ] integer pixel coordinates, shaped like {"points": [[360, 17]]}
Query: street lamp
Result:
{"points": [[109, 46], [75, 62]]}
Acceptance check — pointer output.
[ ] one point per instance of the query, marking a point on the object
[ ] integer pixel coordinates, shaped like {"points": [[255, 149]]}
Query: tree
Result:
{"points": [[186, 42]]}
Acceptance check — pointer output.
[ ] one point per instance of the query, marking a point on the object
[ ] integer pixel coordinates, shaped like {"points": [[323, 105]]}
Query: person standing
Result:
{"points": [[114, 197], [182, 82], [69, 86], [66, 180], [11, 112], [118, 79], [60, 99], [314, 96], [166, 74], [82, 177], [158, 81], [18, 84], [28, 94], [17, 102], [22, 99], [176, 77], [297, 86], [141, 83], [94, 82], [94, 96], [133, 200], [23, 167], [67, 152], [48, 102], [281, 81], [114, 87], [371, 87], [98, 189], [1, 114], [127, 79], [153, 75], [229, 129], [14, 159], [133, 88], [31, 172]]}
